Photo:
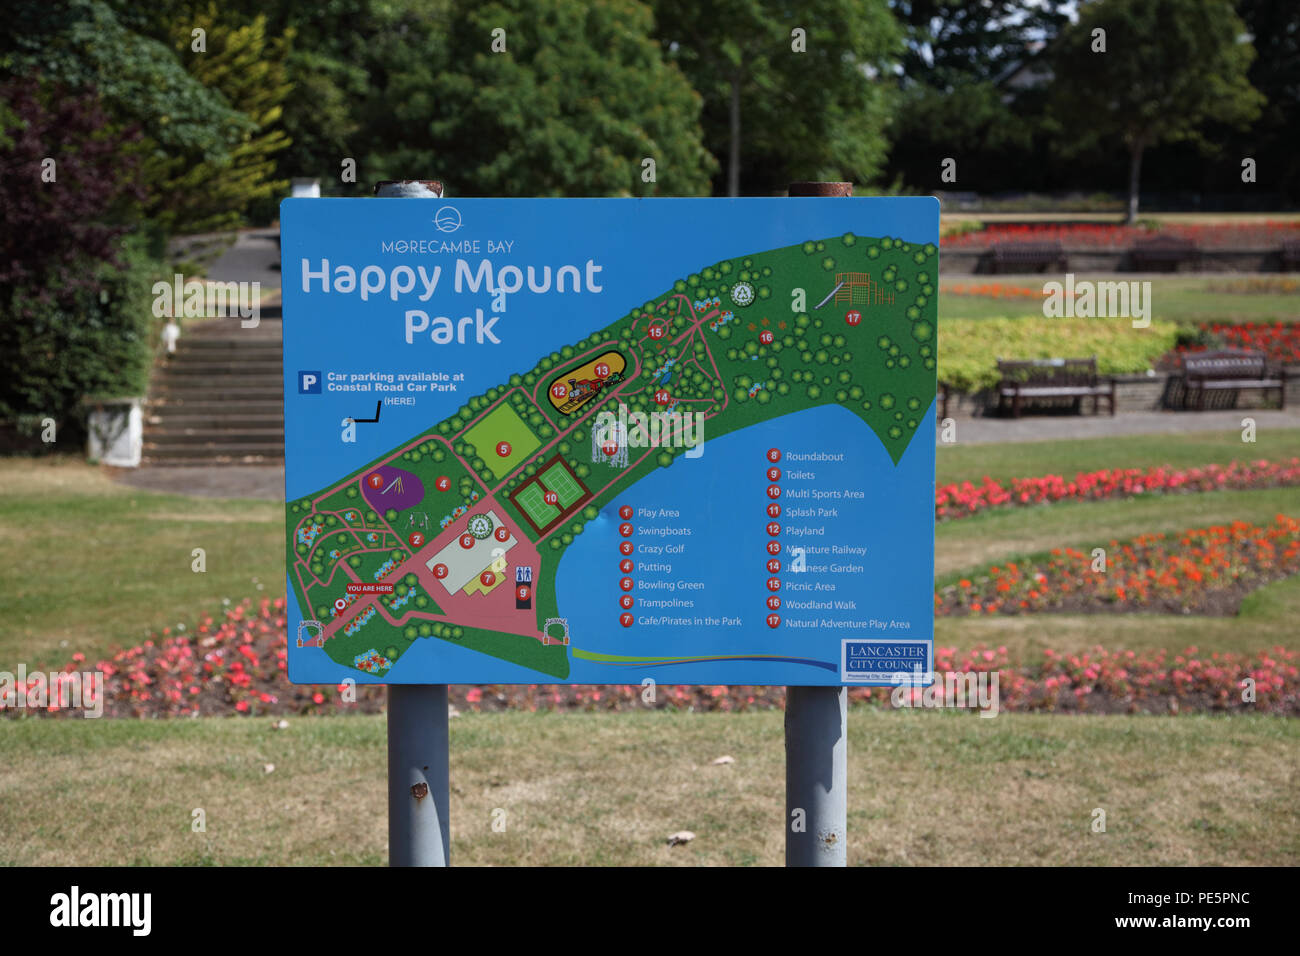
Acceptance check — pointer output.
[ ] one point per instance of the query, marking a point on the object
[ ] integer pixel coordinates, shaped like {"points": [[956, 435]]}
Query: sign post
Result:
{"points": [[816, 735], [419, 786], [610, 441]]}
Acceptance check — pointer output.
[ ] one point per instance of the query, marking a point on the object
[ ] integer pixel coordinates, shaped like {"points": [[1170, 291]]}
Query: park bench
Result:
{"points": [[1164, 254], [1230, 370], [1055, 378], [1023, 256], [1290, 255]]}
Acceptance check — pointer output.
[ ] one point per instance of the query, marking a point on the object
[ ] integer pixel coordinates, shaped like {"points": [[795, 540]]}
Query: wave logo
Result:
{"points": [[447, 219]]}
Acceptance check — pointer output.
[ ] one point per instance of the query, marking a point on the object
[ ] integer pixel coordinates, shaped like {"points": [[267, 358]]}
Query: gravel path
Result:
{"points": [[218, 481]]}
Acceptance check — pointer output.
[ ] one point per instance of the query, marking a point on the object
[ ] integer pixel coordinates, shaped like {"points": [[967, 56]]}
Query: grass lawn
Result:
{"points": [[607, 789], [1173, 298], [1267, 618], [958, 462], [1015, 533], [86, 563]]}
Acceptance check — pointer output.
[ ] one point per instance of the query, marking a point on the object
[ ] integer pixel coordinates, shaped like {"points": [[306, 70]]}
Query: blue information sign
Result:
{"points": [[598, 440]]}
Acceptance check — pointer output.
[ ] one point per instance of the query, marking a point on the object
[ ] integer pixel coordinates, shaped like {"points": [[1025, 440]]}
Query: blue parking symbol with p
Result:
{"points": [[309, 383]]}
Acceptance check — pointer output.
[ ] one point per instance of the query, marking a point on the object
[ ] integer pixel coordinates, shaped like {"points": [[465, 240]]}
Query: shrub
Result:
{"points": [[969, 348]]}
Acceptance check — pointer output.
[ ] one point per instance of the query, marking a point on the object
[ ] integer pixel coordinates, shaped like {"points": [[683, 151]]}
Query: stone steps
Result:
{"points": [[219, 400]]}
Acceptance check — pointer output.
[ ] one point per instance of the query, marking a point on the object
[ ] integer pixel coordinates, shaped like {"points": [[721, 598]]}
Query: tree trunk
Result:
{"points": [[1134, 177], [733, 157]]}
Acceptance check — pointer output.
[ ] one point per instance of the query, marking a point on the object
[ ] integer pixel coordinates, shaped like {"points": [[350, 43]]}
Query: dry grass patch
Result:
{"points": [[607, 789]]}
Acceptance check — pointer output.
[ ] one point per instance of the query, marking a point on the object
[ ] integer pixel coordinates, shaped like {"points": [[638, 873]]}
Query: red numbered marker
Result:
{"points": [[773, 528], [440, 571], [853, 317], [625, 529], [625, 565], [774, 474], [467, 541], [774, 510], [774, 584], [774, 455], [488, 579], [521, 593], [625, 619], [626, 584], [503, 449], [765, 337], [602, 370], [774, 491], [559, 390], [773, 565], [551, 498], [415, 539], [375, 480], [773, 602], [625, 547], [774, 547], [609, 448], [662, 397], [625, 512], [502, 533], [774, 620], [626, 601], [443, 483], [656, 332]]}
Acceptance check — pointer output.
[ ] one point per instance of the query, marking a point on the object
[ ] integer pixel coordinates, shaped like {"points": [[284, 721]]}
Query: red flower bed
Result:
{"points": [[1202, 571], [960, 500], [236, 667], [1280, 341], [1105, 236], [1101, 681]]}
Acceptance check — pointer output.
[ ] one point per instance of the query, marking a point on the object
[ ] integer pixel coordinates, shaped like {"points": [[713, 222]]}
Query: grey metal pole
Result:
{"points": [[419, 827], [419, 791], [816, 736]]}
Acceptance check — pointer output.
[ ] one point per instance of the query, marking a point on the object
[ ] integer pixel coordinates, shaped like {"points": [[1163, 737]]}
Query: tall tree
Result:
{"points": [[550, 98], [248, 69], [1149, 71], [792, 90], [954, 42], [958, 92], [1274, 26]]}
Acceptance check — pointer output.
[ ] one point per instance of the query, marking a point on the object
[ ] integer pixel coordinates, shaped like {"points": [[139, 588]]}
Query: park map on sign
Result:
{"points": [[456, 534]]}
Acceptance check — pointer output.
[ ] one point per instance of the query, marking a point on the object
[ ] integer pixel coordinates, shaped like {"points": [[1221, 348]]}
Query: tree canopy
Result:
{"points": [[1142, 72]]}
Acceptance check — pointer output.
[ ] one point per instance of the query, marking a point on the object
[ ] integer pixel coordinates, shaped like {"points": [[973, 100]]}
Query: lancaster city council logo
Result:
{"points": [[447, 219]]}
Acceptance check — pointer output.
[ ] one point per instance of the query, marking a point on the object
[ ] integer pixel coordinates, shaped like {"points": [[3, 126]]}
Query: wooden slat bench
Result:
{"points": [[1230, 370], [1022, 256], [1053, 378], [1290, 255], [1164, 254]]}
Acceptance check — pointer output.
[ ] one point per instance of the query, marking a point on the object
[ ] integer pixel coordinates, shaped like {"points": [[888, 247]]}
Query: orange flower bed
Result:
{"points": [[1201, 571]]}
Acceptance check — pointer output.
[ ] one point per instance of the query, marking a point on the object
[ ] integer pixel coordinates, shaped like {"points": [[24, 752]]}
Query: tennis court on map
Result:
{"points": [[549, 496]]}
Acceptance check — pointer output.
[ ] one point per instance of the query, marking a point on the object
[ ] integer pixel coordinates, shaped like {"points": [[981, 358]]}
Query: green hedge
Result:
{"points": [[99, 342], [969, 348]]}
